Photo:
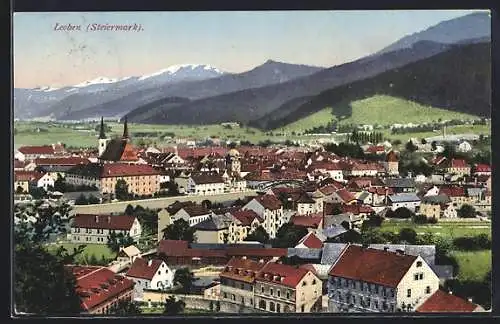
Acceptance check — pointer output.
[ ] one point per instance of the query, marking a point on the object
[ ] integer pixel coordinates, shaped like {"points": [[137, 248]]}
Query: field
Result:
{"points": [[473, 265], [382, 110], [451, 229], [99, 250]]}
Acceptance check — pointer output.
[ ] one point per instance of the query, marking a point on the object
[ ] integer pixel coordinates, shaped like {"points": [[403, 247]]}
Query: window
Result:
{"points": [[408, 293], [279, 293], [392, 292], [303, 308], [271, 307], [314, 281], [415, 276], [233, 297], [278, 308], [262, 288], [303, 283], [271, 291], [225, 295], [288, 295], [375, 304], [262, 304], [421, 276], [428, 290]]}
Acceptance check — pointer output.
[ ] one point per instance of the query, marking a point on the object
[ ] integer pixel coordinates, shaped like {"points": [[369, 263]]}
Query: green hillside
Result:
{"points": [[379, 109]]}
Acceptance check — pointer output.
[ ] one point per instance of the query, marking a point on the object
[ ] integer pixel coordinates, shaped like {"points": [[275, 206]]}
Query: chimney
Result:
{"points": [[261, 261], [97, 218], [469, 299], [450, 292], [244, 257], [150, 262]]}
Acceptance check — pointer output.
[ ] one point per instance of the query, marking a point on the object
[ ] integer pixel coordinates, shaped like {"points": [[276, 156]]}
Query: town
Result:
{"points": [[363, 225]]}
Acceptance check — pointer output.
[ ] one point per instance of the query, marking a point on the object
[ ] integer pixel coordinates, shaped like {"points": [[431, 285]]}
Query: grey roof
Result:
{"points": [[475, 191], [400, 183], [437, 199], [305, 253], [331, 252], [92, 170], [334, 231], [427, 252], [204, 281], [54, 168], [443, 271], [214, 223], [336, 220], [363, 195], [404, 197]]}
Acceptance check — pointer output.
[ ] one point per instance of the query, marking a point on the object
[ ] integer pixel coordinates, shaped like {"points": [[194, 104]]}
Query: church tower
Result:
{"points": [[103, 140]]}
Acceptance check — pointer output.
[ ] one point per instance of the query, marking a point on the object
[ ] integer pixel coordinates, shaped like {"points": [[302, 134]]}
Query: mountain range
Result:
{"points": [[276, 93]]}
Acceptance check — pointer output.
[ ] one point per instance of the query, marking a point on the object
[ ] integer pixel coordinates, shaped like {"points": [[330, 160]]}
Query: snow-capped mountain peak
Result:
{"points": [[173, 69], [45, 89], [98, 80]]}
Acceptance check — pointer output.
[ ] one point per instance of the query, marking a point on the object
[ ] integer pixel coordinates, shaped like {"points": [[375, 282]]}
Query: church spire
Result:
{"points": [[125, 129], [101, 132]]}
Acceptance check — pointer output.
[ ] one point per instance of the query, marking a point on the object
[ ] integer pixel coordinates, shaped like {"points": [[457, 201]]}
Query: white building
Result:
{"points": [[205, 184], [269, 208], [151, 275], [89, 228], [192, 214], [45, 182], [372, 280], [464, 146], [407, 200]]}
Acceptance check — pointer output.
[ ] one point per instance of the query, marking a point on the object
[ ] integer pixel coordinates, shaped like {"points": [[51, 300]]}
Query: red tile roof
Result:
{"points": [[40, 150], [246, 217], [375, 149], [391, 157], [307, 221], [19, 164], [325, 165], [482, 168], [452, 191], [287, 275], [144, 269], [27, 175], [311, 241], [61, 161], [269, 202], [364, 167], [380, 191], [114, 222], [372, 265], [242, 269], [121, 169], [96, 285], [331, 188], [172, 247], [458, 163], [345, 195], [443, 302], [357, 209]]}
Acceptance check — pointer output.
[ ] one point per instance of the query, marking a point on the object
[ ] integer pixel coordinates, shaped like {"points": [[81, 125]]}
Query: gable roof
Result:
{"points": [[65, 161], [172, 247], [115, 222], [311, 241], [452, 191], [372, 265], [204, 178], [242, 269], [437, 199], [307, 221], [458, 163], [95, 285], [269, 202], [119, 149], [195, 210], [444, 302], [121, 169], [130, 251], [246, 217], [286, 275], [400, 183], [403, 197], [144, 269], [482, 168], [214, 223], [27, 175], [40, 150], [345, 195]]}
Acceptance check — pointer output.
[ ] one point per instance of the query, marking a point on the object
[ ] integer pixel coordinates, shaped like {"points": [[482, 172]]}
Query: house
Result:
{"points": [[362, 281], [346, 220], [334, 170], [237, 280], [91, 228], [306, 205], [128, 254], [363, 170], [482, 170], [437, 206], [392, 163], [23, 180], [193, 214], [443, 302], [100, 289], [458, 167], [215, 229], [243, 222], [400, 185], [57, 167], [29, 153], [45, 181], [205, 184], [479, 198], [464, 146], [407, 200], [281, 288], [311, 221], [342, 196], [270, 209], [311, 241], [152, 274], [457, 195]]}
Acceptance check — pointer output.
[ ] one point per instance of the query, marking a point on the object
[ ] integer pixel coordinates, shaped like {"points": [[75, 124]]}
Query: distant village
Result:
{"points": [[261, 229]]}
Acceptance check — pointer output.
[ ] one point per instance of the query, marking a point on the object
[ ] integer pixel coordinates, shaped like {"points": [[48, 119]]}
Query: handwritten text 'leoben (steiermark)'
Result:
{"points": [[99, 27]]}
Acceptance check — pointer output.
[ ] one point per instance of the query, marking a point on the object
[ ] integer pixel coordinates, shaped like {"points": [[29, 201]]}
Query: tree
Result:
{"points": [[60, 184], [433, 145], [449, 151], [185, 278], [259, 235], [408, 235], [179, 230], [402, 212], [126, 307], [37, 193], [121, 190], [92, 200], [410, 147], [288, 235], [129, 210], [81, 200], [466, 211], [207, 204], [117, 240], [42, 283], [373, 220], [423, 141]]}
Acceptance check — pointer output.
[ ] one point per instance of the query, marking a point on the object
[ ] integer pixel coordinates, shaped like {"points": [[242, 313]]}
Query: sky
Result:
{"points": [[231, 41]]}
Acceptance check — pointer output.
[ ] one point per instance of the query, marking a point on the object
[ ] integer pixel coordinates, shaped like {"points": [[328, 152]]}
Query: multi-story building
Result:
{"points": [[392, 163], [205, 184], [141, 179], [269, 208], [89, 228], [237, 281], [57, 167], [438, 206], [193, 214], [100, 289], [406, 200], [243, 222], [371, 280], [215, 229], [281, 288], [457, 195], [29, 153], [149, 274], [458, 167]]}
